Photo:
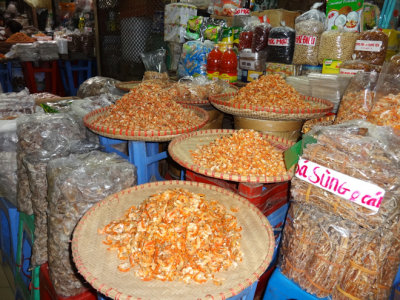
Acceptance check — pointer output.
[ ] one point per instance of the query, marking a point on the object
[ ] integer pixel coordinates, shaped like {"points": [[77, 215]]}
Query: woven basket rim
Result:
{"points": [[175, 145], [113, 292], [120, 85], [142, 135], [260, 112]]}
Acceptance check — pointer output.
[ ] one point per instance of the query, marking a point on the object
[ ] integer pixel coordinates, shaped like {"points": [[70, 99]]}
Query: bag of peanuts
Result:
{"points": [[309, 27], [337, 45], [358, 98], [371, 46]]}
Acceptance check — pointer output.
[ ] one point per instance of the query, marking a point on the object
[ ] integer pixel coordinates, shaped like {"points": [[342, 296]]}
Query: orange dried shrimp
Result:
{"points": [[148, 107], [245, 152], [355, 105], [176, 235], [386, 111], [270, 91]]}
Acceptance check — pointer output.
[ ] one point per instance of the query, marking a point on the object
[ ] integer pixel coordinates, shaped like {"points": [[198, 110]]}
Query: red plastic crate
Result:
{"points": [[47, 291]]}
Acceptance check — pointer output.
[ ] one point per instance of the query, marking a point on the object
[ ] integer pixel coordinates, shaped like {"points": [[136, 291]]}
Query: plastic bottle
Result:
{"points": [[228, 67], [213, 63]]}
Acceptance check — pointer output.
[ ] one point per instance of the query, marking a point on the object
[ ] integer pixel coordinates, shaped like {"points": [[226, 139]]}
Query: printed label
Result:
{"points": [[253, 75], [352, 189], [242, 12], [370, 46], [213, 75], [350, 71], [278, 42], [308, 40], [228, 77]]}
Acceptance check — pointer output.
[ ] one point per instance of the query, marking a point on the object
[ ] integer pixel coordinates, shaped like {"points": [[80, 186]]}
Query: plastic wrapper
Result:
{"points": [[361, 150], [176, 16], [200, 4], [8, 176], [212, 29], [75, 183], [300, 83], [352, 67], [193, 27], [13, 105], [47, 50], [153, 75], [386, 106], [193, 60], [281, 42], [260, 37], [155, 61], [25, 52], [74, 42], [96, 86], [224, 7], [371, 46], [337, 45], [309, 27], [394, 65], [358, 99], [43, 136], [330, 256]]}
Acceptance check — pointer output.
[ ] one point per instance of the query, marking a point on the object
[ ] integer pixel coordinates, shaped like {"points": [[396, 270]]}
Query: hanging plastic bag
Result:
{"points": [[281, 44], [309, 27], [155, 61]]}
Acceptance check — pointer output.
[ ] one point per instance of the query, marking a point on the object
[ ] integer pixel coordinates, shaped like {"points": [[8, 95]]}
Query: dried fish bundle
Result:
{"points": [[75, 183], [360, 150]]}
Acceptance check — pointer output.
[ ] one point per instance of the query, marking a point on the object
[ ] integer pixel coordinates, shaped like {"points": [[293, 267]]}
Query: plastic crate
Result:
{"points": [[26, 277], [277, 221], [144, 155], [246, 294], [282, 288], [47, 291], [9, 218]]}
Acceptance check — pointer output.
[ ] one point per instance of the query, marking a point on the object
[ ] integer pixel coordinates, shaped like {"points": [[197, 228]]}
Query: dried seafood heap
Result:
{"points": [[245, 152], [386, 111], [176, 235], [148, 107], [336, 247], [270, 91]]}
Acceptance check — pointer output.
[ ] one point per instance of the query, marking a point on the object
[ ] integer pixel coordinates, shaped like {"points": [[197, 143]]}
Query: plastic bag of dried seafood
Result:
{"points": [[362, 151], [96, 86], [358, 98], [76, 183], [331, 256], [13, 105]]}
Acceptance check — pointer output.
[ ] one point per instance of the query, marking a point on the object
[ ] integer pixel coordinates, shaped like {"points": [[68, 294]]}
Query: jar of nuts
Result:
{"points": [[371, 46], [337, 45]]}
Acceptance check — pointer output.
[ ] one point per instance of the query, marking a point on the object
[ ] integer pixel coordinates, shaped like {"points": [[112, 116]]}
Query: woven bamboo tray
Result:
{"points": [[141, 135], [99, 265], [321, 108], [230, 89], [180, 150], [127, 85]]}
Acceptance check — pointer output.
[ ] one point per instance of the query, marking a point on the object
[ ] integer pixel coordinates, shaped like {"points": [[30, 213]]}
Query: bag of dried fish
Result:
{"points": [[75, 183]]}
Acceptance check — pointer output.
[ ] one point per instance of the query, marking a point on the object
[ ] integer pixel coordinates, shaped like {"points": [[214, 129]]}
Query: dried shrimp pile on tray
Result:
{"points": [[270, 91], [386, 111], [147, 107], [176, 235], [355, 105], [191, 92], [245, 152]]}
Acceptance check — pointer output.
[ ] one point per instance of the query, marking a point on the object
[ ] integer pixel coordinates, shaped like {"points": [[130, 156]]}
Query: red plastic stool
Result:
{"points": [[52, 78], [47, 291]]}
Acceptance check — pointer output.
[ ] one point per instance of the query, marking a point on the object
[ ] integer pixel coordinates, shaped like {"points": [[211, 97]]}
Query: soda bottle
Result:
{"points": [[213, 63], [228, 67]]}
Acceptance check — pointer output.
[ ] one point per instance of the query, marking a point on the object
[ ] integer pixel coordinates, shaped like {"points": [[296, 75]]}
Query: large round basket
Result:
{"points": [[181, 147], [229, 89], [141, 135], [127, 85], [99, 265], [318, 108]]}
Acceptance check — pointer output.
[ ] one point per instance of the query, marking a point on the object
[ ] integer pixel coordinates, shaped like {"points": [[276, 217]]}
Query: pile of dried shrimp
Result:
{"points": [[270, 91], [148, 107], [176, 235], [245, 152]]}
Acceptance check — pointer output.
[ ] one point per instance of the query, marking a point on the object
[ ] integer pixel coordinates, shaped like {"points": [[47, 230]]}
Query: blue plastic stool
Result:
{"points": [[82, 69], [5, 77], [282, 288], [9, 220], [277, 220], [246, 294], [144, 155]]}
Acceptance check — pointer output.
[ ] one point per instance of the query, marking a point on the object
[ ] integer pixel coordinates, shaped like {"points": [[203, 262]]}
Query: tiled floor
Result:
{"points": [[7, 288]]}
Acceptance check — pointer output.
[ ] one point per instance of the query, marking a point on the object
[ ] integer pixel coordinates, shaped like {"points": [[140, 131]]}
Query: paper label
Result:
{"points": [[352, 189], [370, 46], [278, 42], [349, 71], [253, 75], [242, 12], [308, 40]]}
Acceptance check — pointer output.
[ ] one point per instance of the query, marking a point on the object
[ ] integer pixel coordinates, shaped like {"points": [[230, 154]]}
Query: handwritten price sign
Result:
{"points": [[352, 189]]}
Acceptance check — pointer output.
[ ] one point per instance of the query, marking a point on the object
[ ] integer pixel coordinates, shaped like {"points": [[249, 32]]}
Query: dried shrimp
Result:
{"points": [[386, 111], [176, 235], [245, 152]]}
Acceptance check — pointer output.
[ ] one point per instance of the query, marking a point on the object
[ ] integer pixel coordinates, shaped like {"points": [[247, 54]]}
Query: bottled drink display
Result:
{"points": [[228, 67], [213, 63]]}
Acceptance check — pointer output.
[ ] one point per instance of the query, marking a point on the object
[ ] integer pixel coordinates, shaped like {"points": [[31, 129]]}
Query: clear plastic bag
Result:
{"points": [[371, 46], [76, 183], [26, 52], [394, 65], [352, 67], [358, 98], [281, 42], [260, 37], [13, 105], [155, 61], [224, 7], [337, 45], [309, 27], [47, 50], [96, 86], [193, 60]]}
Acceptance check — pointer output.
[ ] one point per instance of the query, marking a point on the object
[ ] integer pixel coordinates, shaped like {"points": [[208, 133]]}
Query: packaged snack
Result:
{"points": [[371, 46], [260, 37], [193, 28], [281, 44], [337, 45], [193, 61]]}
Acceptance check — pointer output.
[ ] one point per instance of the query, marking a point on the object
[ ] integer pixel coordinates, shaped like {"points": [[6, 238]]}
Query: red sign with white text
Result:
{"points": [[352, 189], [307, 40]]}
